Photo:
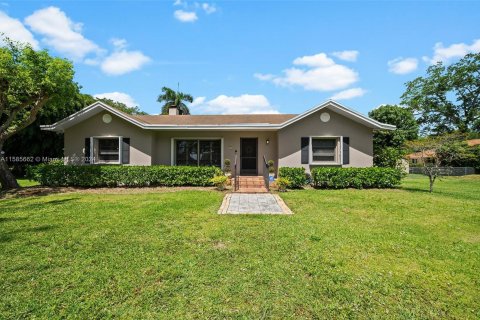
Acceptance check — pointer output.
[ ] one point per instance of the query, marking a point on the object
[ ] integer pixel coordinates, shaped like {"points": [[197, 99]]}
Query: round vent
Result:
{"points": [[325, 117], [107, 118]]}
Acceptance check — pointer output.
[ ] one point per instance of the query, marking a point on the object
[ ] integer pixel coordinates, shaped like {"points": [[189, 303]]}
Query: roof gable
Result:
{"points": [[349, 113]]}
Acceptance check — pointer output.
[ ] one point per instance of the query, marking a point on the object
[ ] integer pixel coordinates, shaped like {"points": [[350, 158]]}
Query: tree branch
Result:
{"points": [[8, 132]]}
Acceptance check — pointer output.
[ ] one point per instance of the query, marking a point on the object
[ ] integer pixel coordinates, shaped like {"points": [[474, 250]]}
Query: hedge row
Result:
{"points": [[296, 176], [121, 176], [359, 178]]}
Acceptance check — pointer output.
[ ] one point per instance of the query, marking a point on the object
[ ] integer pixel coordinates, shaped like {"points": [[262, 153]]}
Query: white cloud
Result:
{"points": [[119, 97], [178, 3], [122, 61], [347, 55], [15, 30], [349, 94], [185, 16], [243, 104], [456, 50], [317, 60], [198, 101], [208, 8], [119, 43], [61, 33], [263, 77], [321, 74], [402, 66]]}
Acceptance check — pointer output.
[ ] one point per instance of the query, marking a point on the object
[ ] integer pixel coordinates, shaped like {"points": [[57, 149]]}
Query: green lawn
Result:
{"points": [[27, 183], [344, 254]]}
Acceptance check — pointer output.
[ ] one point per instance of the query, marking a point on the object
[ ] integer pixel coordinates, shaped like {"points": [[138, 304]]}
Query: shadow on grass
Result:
{"points": [[34, 191], [9, 236], [8, 219], [439, 192], [31, 206]]}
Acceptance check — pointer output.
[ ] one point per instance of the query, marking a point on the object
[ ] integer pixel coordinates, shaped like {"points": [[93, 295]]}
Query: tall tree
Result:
{"points": [[33, 142], [171, 98], [388, 144], [29, 80], [447, 99]]}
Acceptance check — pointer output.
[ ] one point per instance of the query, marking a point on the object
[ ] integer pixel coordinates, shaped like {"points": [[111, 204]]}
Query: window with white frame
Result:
{"points": [[107, 150], [324, 150]]}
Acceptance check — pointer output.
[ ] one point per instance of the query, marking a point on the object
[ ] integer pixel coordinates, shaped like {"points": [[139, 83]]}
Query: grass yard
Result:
{"points": [[364, 254]]}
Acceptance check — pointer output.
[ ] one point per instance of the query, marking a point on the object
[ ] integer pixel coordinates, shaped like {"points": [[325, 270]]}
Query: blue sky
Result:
{"points": [[248, 56]]}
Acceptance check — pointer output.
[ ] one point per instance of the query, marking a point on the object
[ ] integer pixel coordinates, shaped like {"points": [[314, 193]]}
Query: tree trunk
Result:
{"points": [[432, 181], [7, 180]]}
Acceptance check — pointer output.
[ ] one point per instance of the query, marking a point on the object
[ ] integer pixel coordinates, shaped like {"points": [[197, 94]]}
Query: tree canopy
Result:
{"points": [[120, 106], [402, 118], [171, 98], [29, 80], [388, 144], [447, 99]]}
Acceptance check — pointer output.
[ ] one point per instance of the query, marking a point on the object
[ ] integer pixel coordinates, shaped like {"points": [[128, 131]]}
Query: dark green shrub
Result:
{"points": [[296, 176], [121, 176], [359, 178]]}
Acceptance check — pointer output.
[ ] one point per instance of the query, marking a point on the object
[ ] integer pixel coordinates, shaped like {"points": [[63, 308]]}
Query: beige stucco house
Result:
{"points": [[327, 135]]}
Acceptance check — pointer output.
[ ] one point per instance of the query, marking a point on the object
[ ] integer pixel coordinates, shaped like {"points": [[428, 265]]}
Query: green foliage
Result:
{"points": [[282, 184], [446, 99], [389, 157], [358, 178], [170, 98], [29, 80], [387, 144], [121, 106], [121, 176], [271, 166], [219, 181], [226, 166], [296, 176]]}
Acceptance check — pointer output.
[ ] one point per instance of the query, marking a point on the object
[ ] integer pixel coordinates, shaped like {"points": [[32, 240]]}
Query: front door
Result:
{"points": [[248, 156]]}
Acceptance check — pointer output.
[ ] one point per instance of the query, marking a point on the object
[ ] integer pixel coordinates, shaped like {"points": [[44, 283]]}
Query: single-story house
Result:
{"points": [[329, 134], [428, 156]]}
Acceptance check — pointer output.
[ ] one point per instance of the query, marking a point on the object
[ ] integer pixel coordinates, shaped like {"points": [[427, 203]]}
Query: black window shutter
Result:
{"points": [[305, 142], [346, 150], [125, 150], [87, 150]]}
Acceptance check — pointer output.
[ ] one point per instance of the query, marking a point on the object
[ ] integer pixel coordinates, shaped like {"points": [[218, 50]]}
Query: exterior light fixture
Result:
{"points": [[268, 141]]}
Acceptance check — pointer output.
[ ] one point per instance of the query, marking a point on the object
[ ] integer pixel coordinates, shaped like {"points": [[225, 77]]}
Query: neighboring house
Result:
{"points": [[428, 156], [327, 135]]}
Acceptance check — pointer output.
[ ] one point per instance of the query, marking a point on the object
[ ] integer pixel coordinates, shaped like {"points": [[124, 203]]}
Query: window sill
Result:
{"points": [[325, 164]]}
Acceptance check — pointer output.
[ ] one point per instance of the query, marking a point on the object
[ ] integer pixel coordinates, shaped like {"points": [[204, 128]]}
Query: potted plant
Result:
{"points": [[226, 168], [271, 170]]}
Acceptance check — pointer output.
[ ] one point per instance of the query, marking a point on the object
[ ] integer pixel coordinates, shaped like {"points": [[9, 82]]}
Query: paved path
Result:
{"points": [[259, 203]]}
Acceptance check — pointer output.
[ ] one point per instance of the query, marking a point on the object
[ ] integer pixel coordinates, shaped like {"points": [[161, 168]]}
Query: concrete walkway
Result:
{"points": [[256, 203]]}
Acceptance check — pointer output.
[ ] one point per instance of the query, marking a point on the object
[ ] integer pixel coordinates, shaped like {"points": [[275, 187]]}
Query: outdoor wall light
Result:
{"points": [[268, 140]]}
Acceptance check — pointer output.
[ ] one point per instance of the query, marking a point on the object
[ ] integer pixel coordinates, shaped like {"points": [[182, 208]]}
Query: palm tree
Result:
{"points": [[174, 98]]}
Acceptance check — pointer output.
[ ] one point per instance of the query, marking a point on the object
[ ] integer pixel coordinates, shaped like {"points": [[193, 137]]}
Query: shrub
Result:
{"points": [[220, 182], [282, 184], [121, 176], [359, 178], [296, 176]]}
